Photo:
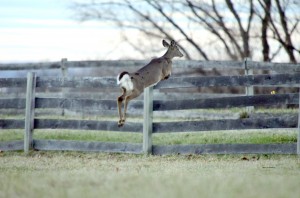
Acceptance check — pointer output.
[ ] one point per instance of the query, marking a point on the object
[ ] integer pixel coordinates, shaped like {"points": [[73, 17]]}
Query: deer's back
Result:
{"points": [[152, 73]]}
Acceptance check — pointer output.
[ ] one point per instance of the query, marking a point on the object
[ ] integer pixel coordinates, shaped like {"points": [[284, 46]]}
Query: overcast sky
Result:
{"points": [[46, 30]]}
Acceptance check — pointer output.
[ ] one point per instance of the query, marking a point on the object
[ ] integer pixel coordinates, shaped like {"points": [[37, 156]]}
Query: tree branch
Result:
{"points": [[289, 45], [155, 25], [160, 10], [244, 34], [210, 28]]}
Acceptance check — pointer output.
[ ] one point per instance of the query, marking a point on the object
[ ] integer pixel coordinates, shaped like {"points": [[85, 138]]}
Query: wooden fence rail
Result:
{"points": [[158, 105], [186, 64], [31, 103], [175, 82]]}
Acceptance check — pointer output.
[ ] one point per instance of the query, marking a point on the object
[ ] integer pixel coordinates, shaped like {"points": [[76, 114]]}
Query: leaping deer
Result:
{"points": [[133, 84]]}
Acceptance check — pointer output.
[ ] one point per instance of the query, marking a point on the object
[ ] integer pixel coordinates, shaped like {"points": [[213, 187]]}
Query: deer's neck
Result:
{"points": [[168, 55], [169, 60]]}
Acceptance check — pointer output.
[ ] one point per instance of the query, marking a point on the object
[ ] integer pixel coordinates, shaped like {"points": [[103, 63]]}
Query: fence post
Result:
{"points": [[249, 89], [63, 66], [29, 112], [298, 138], [64, 71], [148, 116]]}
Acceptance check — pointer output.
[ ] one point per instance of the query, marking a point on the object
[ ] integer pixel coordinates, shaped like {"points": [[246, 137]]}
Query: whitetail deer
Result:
{"points": [[133, 84]]}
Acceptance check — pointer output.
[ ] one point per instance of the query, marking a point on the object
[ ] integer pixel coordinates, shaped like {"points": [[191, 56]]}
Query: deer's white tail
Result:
{"points": [[124, 81]]}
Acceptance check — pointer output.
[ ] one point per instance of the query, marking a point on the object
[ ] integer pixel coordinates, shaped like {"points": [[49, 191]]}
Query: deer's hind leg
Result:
{"points": [[133, 95], [120, 101]]}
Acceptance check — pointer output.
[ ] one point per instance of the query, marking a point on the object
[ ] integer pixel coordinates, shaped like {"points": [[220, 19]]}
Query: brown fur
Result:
{"points": [[158, 69]]}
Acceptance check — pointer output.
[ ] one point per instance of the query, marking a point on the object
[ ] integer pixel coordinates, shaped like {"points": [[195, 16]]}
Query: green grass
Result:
{"points": [[228, 137], [104, 136], [209, 137], [77, 174], [206, 137], [11, 134]]}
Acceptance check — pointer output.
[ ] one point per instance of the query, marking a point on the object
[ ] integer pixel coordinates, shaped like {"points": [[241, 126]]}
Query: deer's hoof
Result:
{"points": [[120, 123]]}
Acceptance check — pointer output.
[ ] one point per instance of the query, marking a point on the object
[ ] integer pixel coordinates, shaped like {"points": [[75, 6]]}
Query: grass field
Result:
{"points": [[77, 174], [80, 174]]}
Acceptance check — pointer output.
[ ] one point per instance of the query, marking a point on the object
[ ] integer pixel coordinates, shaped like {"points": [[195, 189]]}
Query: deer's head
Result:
{"points": [[173, 50]]}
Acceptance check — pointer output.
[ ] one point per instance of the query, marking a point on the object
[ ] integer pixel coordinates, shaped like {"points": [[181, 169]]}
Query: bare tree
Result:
{"points": [[142, 20], [287, 32], [201, 27], [264, 30], [282, 19], [210, 16]]}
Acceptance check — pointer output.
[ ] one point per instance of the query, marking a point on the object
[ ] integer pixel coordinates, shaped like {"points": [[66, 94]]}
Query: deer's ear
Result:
{"points": [[165, 43], [173, 43]]}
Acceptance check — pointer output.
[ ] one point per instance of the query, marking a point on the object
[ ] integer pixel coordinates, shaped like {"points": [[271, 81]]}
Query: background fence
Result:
{"points": [[152, 103]]}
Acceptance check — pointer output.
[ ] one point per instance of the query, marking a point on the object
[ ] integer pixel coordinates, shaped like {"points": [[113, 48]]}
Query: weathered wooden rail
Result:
{"points": [[186, 64], [31, 103]]}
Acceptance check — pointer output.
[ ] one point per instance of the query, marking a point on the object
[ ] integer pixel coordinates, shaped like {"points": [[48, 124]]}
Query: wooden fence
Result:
{"points": [[31, 103], [186, 64]]}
